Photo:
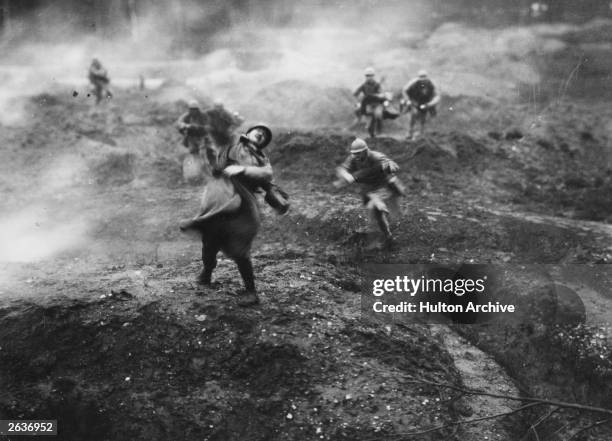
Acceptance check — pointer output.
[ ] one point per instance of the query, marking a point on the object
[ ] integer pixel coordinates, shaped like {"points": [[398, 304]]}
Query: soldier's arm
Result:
{"points": [[405, 92], [358, 91], [384, 163], [436, 98], [348, 165], [408, 90], [261, 173], [182, 121], [343, 173]]}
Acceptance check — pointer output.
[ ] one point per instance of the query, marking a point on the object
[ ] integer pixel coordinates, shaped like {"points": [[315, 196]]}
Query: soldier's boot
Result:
{"points": [[248, 297]]}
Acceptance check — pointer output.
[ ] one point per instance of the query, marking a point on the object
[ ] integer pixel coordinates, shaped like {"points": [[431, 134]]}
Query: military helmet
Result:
{"points": [[422, 73], [267, 134], [369, 71], [359, 145], [193, 104]]}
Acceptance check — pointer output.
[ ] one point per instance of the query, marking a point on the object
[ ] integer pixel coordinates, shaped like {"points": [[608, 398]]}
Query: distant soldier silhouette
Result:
{"points": [[370, 91], [98, 77]]}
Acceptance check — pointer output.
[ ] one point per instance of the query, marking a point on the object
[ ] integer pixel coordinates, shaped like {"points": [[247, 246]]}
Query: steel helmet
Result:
{"points": [[369, 71], [267, 134], [359, 145], [193, 104], [422, 73]]}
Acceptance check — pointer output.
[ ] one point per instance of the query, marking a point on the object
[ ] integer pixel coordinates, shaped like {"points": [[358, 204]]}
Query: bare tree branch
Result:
{"points": [[543, 418], [589, 427], [459, 423], [511, 397]]}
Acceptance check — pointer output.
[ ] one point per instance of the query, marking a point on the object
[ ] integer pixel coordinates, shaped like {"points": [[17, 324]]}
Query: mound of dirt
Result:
{"points": [[295, 153], [308, 155], [119, 367], [583, 196], [297, 103]]}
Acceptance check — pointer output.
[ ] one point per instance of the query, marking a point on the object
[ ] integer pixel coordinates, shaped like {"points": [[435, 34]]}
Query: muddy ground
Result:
{"points": [[103, 327]]}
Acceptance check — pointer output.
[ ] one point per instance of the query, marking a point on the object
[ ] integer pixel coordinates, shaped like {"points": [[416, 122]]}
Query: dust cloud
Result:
{"points": [[29, 235], [41, 230], [236, 55]]}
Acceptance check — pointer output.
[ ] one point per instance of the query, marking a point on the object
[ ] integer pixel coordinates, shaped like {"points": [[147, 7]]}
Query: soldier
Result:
{"points": [[371, 91], [421, 98], [98, 77], [229, 216], [221, 124], [192, 125], [376, 175], [372, 102]]}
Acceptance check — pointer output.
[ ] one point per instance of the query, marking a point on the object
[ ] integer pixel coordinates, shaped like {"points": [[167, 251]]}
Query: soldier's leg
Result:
{"points": [[363, 108], [382, 218], [372, 126], [98, 92], [249, 296], [378, 116], [212, 151], [396, 186], [423, 120], [380, 213], [194, 167], [209, 259], [193, 145], [413, 118], [245, 267], [358, 114]]}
